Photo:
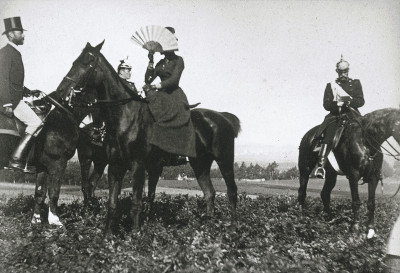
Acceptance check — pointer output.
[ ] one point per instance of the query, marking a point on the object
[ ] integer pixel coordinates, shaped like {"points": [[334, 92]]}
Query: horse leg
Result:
{"points": [[330, 182], [201, 167], [372, 184], [85, 167], [115, 176], [138, 179], [306, 164], [226, 167], [154, 174], [98, 170], [54, 185], [355, 201], [40, 196]]}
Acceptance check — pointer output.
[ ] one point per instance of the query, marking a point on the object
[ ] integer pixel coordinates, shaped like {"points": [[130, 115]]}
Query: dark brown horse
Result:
{"points": [[358, 155], [129, 127], [54, 146]]}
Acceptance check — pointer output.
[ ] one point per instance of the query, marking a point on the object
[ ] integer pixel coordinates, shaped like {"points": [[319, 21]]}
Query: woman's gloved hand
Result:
{"points": [[151, 56]]}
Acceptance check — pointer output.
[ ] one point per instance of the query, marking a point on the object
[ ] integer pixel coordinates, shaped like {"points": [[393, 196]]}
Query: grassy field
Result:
{"points": [[272, 234]]}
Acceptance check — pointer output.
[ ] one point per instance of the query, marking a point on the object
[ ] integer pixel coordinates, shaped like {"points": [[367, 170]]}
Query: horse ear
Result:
{"points": [[99, 46], [88, 44]]}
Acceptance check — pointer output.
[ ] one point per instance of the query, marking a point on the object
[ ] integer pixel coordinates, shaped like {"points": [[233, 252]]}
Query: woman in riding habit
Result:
{"points": [[173, 131]]}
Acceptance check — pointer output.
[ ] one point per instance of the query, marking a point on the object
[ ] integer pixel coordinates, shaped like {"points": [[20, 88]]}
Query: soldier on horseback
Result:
{"points": [[12, 91], [342, 98], [125, 72]]}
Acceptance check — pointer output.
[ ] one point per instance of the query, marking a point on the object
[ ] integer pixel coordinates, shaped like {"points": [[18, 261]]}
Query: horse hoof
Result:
{"points": [[54, 220], [371, 233], [36, 219]]}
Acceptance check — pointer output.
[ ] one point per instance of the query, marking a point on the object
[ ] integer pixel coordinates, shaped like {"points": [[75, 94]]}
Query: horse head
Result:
{"points": [[85, 73], [396, 126]]}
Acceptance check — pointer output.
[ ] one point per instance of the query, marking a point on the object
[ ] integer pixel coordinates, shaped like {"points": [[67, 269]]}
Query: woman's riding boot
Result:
{"points": [[18, 159], [323, 153]]}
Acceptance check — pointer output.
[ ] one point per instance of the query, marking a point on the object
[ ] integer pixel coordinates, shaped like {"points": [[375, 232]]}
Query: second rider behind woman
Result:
{"points": [[173, 130]]}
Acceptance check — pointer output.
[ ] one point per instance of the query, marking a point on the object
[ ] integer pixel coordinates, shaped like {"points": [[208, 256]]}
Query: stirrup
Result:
{"points": [[320, 172], [14, 164], [317, 148]]}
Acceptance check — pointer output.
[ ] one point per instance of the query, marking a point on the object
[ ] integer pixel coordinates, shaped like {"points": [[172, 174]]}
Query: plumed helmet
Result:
{"points": [[124, 64], [342, 64]]}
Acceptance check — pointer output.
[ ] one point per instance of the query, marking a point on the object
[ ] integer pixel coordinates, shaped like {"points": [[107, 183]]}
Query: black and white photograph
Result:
{"points": [[199, 136]]}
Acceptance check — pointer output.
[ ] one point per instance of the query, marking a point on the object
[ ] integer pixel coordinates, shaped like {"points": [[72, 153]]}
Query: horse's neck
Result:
{"points": [[113, 88], [380, 126]]}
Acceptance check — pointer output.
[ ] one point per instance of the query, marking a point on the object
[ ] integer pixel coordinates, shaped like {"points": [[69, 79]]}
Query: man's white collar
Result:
{"points": [[13, 45]]}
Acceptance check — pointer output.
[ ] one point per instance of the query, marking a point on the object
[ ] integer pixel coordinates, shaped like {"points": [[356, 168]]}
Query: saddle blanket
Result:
{"points": [[8, 125]]}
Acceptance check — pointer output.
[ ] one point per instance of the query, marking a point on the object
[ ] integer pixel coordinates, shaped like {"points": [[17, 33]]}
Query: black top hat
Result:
{"points": [[13, 23]]}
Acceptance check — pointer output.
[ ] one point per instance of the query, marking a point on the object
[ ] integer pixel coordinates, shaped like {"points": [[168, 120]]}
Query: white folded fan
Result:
{"points": [[155, 38]]}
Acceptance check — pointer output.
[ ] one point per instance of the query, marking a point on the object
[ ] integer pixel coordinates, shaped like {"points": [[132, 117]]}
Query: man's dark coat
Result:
{"points": [[11, 76]]}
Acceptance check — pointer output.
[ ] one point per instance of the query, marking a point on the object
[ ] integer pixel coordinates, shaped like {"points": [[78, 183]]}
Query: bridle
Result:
{"points": [[81, 84], [370, 138]]}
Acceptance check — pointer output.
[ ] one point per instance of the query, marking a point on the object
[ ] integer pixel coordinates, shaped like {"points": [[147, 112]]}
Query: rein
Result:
{"points": [[85, 79], [99, 103]]}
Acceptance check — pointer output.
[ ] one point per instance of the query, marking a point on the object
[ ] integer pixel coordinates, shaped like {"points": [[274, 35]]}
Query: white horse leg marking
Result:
{"points": [[371, 233], [54, 220], [36, 219]]}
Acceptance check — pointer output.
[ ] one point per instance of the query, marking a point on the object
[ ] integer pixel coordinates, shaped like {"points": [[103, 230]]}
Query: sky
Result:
{"points": [[268, 62]]}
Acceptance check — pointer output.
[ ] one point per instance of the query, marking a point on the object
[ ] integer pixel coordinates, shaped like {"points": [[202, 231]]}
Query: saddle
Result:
{"points": [[13, 126], [96, 135], [343, 123]]}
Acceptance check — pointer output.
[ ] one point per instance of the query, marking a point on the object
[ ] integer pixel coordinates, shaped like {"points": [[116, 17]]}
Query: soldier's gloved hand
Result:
{"points": [[151, 56], [146, 88], [340, 103], [8, 111]]}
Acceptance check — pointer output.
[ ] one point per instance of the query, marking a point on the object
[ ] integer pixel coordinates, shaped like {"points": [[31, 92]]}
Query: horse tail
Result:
{"points": [[308, 138], [398, 189], [234, 122]]}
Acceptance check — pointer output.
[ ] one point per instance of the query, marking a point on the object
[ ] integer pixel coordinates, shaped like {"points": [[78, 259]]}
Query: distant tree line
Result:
{"points": [[242, 171]]}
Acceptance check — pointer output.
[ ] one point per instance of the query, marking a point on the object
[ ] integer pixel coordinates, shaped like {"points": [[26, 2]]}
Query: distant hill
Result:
{"points": [[285, 156]]}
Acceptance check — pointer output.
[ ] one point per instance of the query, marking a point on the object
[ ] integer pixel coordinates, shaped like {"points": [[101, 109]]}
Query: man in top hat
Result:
{"points": [[12, 91], [339, 96]]}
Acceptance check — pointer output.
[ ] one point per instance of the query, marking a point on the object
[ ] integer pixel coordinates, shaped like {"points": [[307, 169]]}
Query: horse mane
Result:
{"points": [[113, 72], [378, 118]]}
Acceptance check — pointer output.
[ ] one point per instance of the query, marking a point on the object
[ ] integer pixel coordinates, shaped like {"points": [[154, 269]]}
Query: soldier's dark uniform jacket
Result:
{"points": [[11, 76], [352, 87], [131, 85], [331, 123]]}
